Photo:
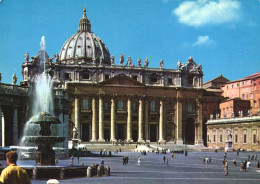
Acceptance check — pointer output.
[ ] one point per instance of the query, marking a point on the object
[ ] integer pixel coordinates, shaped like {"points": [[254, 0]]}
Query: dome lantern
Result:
{"points": [[84, 24]]}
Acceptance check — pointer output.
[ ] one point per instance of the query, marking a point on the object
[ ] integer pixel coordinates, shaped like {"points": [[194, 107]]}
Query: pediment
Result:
{"points": [[122, 80]]}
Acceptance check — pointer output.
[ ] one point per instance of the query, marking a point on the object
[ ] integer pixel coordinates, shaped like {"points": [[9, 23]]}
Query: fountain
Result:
{"points": [[38, 130], [44, 154], [43, 108]]}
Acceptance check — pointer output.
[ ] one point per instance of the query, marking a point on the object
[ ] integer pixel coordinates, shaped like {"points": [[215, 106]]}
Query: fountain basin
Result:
{"points": [[44, 139], [44, 117], [57, 172]]}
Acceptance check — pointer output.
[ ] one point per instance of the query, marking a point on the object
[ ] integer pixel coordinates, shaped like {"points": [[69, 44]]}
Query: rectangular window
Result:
{"points": [[106, 77], [153, 79], [170, 81], [243, 96], [106, 106], [244, 138], [236, 138], [135, 77], [251, 96], [190, 107], [152, 106], [254, 139], [214, 138], [190, 80], [120, 105], [220, 138], [66, 76], [85, 76], [134, 107], [85, 104]]}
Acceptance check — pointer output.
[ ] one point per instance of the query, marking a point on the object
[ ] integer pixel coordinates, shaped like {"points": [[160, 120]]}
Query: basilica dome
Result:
{"points": [[84, 46]]}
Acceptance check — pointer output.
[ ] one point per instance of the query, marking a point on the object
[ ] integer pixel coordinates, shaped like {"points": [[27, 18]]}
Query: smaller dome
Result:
{"points": [[85, 46]]}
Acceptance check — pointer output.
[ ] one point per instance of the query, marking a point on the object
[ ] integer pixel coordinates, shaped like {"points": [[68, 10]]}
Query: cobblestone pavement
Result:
{"points": [[183, 169]]}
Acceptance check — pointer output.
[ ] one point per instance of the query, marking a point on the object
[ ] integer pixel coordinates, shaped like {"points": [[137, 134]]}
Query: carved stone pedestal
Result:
{"points": [[229, 146]]}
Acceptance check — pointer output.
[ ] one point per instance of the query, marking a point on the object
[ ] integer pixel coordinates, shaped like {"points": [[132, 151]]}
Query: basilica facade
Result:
{"points": [[106, 101]]}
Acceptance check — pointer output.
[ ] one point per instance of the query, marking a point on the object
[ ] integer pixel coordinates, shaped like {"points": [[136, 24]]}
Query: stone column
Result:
{"points": [[113, 122], [101, 120], [140, 121], [15, 127], [198, 138], [3, 129], [129, 120], [94, 120], [77, 109], [161, 127], [146, 121], [66, 129], [178, 115]]}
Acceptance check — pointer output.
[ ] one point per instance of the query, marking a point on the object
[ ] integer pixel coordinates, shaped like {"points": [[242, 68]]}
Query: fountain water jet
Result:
{"points": [[43, 110]]}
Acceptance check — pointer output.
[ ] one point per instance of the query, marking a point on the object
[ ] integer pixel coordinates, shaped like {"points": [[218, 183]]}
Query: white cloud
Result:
{"points": [[202, 40], [202, 12]]}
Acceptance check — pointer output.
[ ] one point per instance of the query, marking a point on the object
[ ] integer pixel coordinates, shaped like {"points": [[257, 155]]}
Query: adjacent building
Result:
{"points": [[238, 115], [247, 88]]}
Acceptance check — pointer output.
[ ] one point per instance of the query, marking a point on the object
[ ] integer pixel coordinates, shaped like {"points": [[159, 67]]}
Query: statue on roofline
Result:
{"points": [[14, 79], [139, 62], [26, 56], [121, 59], [112, 59], [161, 63], [146, 63]]}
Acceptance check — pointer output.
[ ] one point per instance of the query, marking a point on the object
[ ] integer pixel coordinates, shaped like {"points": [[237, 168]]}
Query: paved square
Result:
{"points": [[183, 169]]}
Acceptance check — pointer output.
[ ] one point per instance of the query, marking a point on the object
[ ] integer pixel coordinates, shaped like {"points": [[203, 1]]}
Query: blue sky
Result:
{"points": [[222, 35]]}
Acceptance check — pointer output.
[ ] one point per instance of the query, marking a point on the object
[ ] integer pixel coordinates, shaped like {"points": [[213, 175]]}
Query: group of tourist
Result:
{"points": [[125, 160]]}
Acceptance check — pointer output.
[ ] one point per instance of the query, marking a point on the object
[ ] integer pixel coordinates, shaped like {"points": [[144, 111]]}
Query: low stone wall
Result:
{"points": [[57, 172]]}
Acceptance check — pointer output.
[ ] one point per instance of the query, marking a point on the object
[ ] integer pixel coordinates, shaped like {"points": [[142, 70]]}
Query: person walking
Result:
{"points": [[164, 159], [102, 161], [235, 162], [14, 174], [167, 161], [226, 168], [124, 160], [139, 160], [72, 159]]}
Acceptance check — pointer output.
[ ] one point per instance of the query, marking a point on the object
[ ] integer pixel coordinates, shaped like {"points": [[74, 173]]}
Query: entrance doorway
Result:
{"points": [[189, 131], [85, 132], [120, 131], [153, 133], [134, 135], [107, 134]]}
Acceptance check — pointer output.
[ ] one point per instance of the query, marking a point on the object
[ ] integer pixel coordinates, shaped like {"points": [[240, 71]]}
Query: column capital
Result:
{"points": [[199, 100], [130, 96], [141, 97], [93, 95], [113, 96], [101, 95], [77, 94], [163, 98], [178, 99]]}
